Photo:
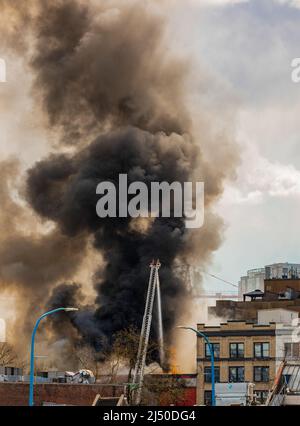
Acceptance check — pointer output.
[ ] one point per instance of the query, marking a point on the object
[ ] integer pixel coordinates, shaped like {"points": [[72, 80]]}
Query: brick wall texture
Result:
{"points": [[16, 394]]}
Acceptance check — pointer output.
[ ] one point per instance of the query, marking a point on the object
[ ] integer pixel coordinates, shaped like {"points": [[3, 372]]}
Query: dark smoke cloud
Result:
{"points": [[103, 73], [27, 258], [30, 262], [63, 189], [108, 69], [80, 328]]}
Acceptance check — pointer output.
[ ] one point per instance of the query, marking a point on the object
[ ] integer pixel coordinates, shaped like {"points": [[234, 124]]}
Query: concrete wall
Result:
{"points": [[292, 400], [248, 310], [283, 316]]}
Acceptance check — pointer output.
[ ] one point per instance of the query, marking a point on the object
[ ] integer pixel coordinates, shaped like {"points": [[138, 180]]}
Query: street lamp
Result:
{"points": [[212, 360], [38, 357], [31, 383]]}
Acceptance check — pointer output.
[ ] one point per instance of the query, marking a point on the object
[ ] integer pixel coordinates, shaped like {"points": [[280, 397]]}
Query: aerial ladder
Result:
{"points": [[139, 371], [277, 392]]}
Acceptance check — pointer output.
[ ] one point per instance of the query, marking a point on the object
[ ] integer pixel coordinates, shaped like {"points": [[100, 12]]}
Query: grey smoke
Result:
{"points": [[113, 92]]}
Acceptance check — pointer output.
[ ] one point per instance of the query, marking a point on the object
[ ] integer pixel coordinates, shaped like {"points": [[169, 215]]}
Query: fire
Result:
{"points": [[173, 367]]}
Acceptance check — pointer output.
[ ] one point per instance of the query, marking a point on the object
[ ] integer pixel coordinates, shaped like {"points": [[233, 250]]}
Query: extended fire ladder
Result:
{"points": [[153, 287], [277, 393]]}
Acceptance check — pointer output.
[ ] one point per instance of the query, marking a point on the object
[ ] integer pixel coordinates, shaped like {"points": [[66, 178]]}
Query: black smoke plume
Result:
{"points": [[115, 101], [62, 189], [111, 74]]}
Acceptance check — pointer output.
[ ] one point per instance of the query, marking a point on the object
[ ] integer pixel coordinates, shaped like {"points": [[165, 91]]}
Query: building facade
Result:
{"points": [[254, 280], [244, 352], [278, 293]]}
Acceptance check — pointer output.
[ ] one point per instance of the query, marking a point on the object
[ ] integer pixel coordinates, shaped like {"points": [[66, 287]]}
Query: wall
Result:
{"points": [[16, 394], [236, 332], [248, 310], [254, 280], [280, 286], [283, 316]]}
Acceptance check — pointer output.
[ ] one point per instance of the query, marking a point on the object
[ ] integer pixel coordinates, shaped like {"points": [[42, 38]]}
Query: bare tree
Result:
{"points": [[88, 359], [9, 357], [126, 344], [163, 389], [125, 347]]}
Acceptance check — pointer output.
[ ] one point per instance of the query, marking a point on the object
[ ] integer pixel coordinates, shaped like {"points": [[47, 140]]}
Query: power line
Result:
{"points": [[211, 275], [221, 279]]}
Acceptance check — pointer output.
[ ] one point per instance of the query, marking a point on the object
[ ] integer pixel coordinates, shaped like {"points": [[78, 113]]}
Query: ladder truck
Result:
{"points": [[153, 288]]}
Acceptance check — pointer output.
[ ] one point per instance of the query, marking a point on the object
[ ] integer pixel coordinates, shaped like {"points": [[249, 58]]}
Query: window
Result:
{"points": [[261, 374], [236, 350], [207, 397], [236, 374], [207, 374], [261, 350], [285, 379], [12, 371], [292, 350], [261, 396], [216, 347], [42, 374]]}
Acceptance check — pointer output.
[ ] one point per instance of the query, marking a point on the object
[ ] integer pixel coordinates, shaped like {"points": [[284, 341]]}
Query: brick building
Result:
{"points": [[283, 293], [16, 394], [254, 279], [244, 352]]}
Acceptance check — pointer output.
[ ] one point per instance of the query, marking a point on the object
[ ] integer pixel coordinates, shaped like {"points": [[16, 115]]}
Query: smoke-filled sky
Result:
{"points": [[96, 90], [210, 80], [249, 46]]}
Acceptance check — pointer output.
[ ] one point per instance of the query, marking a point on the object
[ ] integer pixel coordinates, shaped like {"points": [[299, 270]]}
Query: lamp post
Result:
{"points": [[38, 357], [212, 360], [31, 383]]}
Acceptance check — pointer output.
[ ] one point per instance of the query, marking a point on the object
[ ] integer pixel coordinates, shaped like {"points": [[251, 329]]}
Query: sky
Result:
{"points": [[248, 47]]}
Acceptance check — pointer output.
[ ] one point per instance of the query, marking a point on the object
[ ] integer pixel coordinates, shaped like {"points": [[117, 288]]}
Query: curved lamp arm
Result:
{"points": [[212, 360], [31, 383]]}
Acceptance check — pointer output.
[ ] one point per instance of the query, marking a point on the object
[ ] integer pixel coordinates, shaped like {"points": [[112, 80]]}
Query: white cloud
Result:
{"points": [[260, 178], [217, 2], [274, 179], [250, 49], [292, 3]]}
